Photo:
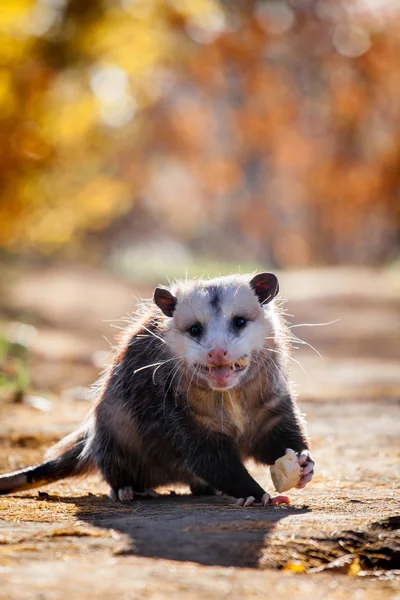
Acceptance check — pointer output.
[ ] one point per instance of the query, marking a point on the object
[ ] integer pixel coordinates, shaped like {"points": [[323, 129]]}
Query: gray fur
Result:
{"points": [[159, 418]]}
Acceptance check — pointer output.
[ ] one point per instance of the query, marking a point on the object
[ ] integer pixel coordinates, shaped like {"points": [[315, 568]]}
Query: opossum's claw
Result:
{"points": [[241, 501], [266, 500], [249, 501], [126, 494]]}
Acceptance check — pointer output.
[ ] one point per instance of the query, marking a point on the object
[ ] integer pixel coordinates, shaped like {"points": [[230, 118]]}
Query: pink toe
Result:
{"points": [[304, 480], [266, 499], [250, 501]]}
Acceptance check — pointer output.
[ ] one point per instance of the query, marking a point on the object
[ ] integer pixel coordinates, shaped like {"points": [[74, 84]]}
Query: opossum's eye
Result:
{"points": [[195, 330], [239, 322]]}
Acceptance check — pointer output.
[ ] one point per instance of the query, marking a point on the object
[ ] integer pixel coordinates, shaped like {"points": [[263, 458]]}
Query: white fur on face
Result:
{"points": [[214, 305]]}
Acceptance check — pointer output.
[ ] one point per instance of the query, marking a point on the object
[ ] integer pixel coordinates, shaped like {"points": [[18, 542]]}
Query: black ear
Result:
{"points": [[165, 301], [265, 286]]}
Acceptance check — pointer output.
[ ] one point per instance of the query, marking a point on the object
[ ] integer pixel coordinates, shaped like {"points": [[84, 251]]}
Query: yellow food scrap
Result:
{"points": [[285, 473], [294, 566], [355, 567]]}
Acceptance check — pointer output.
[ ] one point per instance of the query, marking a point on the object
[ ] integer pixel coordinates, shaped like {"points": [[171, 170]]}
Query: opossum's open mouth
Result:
{"points": [[238, 366], [222, 376]]}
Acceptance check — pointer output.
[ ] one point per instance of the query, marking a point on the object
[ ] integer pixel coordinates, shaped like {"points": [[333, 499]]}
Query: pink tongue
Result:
{"points": [[221, 372]]}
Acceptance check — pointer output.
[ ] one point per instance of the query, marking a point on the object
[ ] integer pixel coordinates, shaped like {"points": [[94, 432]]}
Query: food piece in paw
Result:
{"points": [[286, 471]]}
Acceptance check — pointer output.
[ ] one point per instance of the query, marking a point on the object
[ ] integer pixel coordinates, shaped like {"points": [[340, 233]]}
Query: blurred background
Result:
{"points": [[143, 139], [137, 131]]}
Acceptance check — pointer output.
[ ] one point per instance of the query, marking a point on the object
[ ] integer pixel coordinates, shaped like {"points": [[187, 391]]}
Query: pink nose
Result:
{"points": [[217, 356]]}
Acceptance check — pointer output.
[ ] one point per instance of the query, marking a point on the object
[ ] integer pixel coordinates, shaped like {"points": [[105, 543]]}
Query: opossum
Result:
{"points": [[198, 384]]}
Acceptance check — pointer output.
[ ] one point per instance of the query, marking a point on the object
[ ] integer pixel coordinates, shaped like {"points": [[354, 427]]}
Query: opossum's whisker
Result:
{"points": [[230, 399], [195, 370], [282, 335], [182, 373], [160, 365], [293, 338], [157, 364], [172, 374], [300, 341], [240, 336], [108, 342], [313, 324], [175, 370], [196, 342], [188, 388], [154, 334], [267, 300], [264, 364], [235, 296], [301, 367], [237, 290], [259, 375], [290, 358], [121, 320]]}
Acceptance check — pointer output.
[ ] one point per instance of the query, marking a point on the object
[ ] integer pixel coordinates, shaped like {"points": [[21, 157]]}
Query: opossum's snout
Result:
{"points": [[217, 356], [219, 372]]}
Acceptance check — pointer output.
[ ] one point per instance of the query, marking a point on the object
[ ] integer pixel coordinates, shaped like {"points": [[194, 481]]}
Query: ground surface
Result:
{"points": [[340, 537]]}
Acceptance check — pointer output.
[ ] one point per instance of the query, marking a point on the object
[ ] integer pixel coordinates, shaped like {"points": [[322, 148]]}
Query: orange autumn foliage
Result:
{"points": [[273, 124]]}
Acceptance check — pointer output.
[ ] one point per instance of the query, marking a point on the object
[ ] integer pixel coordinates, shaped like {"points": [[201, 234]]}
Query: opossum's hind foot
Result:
{"points": [[127, 494], [200, 488], [266, 500]]}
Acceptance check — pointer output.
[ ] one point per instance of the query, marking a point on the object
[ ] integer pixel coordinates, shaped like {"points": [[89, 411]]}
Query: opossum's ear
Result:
{"points": [[265, 286], [165, 301]]}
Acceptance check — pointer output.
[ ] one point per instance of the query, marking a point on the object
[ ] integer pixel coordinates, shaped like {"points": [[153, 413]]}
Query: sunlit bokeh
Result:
{"points": [[238, 131]]}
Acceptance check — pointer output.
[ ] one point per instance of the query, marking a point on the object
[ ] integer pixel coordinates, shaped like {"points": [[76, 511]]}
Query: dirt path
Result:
{"points": [[339, 539]]}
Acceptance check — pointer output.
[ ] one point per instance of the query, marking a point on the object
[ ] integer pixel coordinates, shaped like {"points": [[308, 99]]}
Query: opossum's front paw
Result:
{"points": [[266, 500], [307, 469]]}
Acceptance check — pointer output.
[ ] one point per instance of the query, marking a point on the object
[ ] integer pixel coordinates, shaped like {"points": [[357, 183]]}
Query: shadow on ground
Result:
{"points": [[207, 531]]}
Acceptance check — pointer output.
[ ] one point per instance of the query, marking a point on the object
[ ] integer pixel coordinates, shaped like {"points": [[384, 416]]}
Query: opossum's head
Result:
{"points": [[218, 327]]}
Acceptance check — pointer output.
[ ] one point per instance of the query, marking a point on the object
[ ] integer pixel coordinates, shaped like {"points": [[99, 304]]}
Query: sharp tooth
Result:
{"points": [[233, 367], [210, 369], [242, 362]]}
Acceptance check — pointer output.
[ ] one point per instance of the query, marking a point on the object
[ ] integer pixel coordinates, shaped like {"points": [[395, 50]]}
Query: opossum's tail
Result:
{"points": [[67, 458]]}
